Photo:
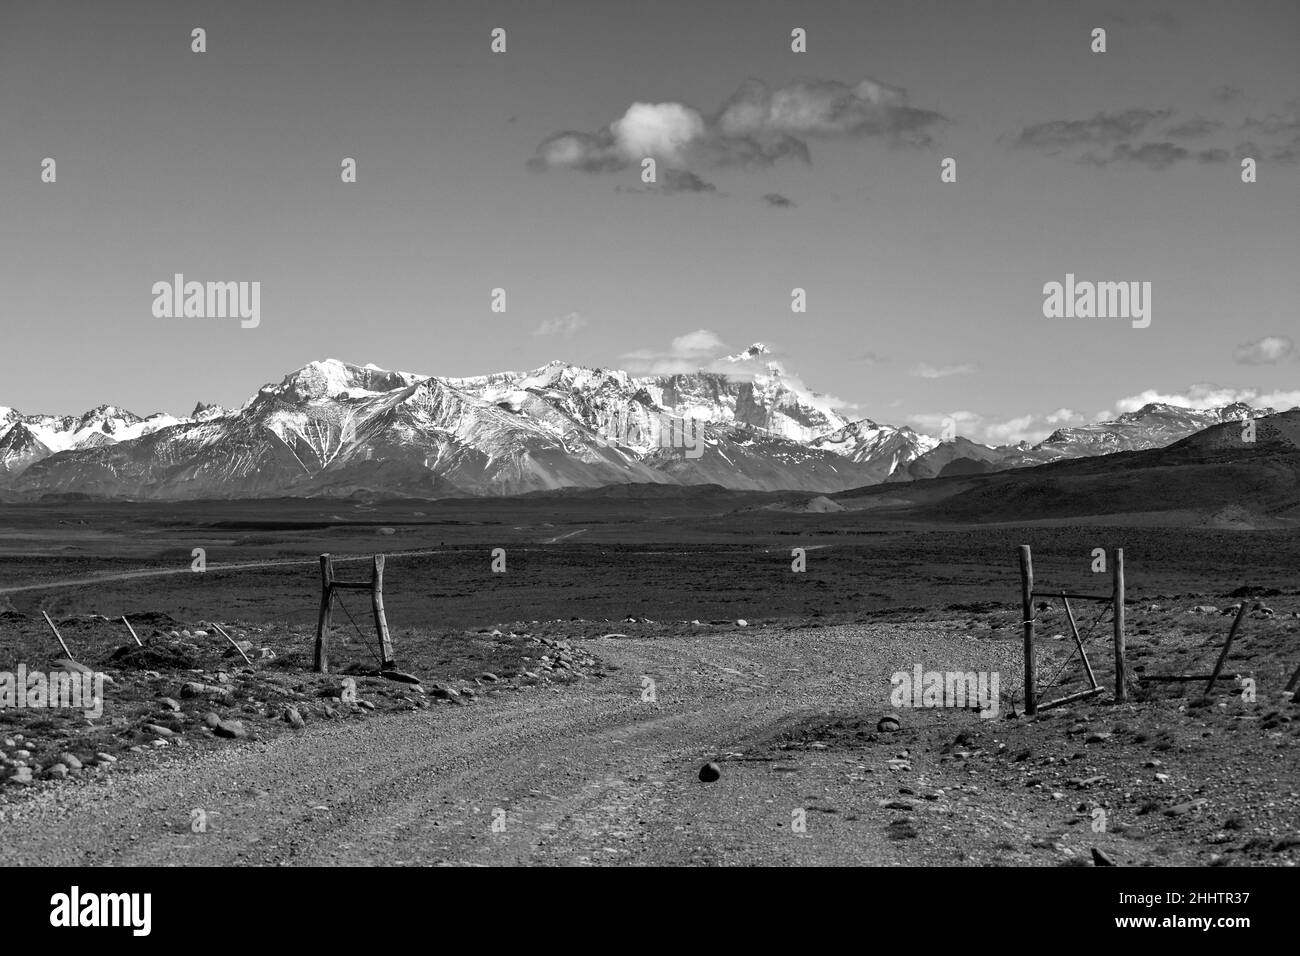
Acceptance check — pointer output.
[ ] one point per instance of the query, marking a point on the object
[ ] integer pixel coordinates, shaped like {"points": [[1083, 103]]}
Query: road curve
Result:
{"points": [[584, 773]]}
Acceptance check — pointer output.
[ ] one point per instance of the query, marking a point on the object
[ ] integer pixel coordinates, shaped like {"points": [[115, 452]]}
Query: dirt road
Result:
{"points": [[580, 773]]}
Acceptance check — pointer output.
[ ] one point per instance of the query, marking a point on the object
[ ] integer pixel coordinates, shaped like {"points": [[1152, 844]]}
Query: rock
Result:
{"points": [[899, 763], [710, 772], [106, 758], [386, 531], [1101, 858], [70, 761], [896, 805], [264, 654], [293, 718], [64, 664], [56, 771], [1023, 755], [1096, 738], [200, 633], [442, 692], [489, 677], [1162, 778], [169, 704], [21, 775], [232, 729], [158, 730], [365, 705], [1182, 809], [211, 719], [888, 724], [1204, 609], [741, 622], [901, 829]]}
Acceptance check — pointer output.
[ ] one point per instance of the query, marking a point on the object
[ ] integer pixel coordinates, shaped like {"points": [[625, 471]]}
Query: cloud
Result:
{"points": [[1269, 350], [1275, 124], [662, 130], [1113, 138], [686, 353], [1193, 129], [825, 108], [1034, 428], [1150, 155], [755, 127], [776, 199], [753, 352], [1207, 395], [704, 351], [979, 428], [870, 358], [564, 325], [1284, 128], [671, 181], [1227, 94], [926, 370], [1101, 130], [681, 181]]}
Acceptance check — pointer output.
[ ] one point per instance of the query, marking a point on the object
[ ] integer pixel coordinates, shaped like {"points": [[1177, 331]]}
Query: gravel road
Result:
{"points": [[582, 773]]}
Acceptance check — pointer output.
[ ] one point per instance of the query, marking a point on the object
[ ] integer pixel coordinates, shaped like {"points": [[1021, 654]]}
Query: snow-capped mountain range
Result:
{"points": [[332, 428], [1152, 426]]}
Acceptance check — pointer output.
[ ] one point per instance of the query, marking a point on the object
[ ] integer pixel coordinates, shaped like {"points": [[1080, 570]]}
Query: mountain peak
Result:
{"points": [[753, 352]]}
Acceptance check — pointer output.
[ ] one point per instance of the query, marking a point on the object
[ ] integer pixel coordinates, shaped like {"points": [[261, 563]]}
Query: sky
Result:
{"points": [[775, 170]]}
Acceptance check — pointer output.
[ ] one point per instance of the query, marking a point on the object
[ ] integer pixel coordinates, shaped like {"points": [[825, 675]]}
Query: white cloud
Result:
{"points": [[979, 428], [685, 354], [926, 370], [662, 130], [1207, 395], [564, 325], [1269, 350]]}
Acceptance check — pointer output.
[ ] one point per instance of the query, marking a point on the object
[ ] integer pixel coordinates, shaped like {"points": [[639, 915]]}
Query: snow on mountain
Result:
{"points": [[334, 428], [1152, 426]]}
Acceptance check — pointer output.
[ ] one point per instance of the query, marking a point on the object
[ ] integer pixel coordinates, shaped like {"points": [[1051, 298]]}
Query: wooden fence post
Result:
{"points": [[132, 630], [1227, 646], [322, 663], [1295, 677], [59, 636], [1027, 615], [1117, 598], [381, 622]]}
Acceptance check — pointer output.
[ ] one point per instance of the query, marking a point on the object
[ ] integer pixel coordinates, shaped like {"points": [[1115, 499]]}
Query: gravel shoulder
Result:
{"points": [[587, 772], [591, 773]]}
